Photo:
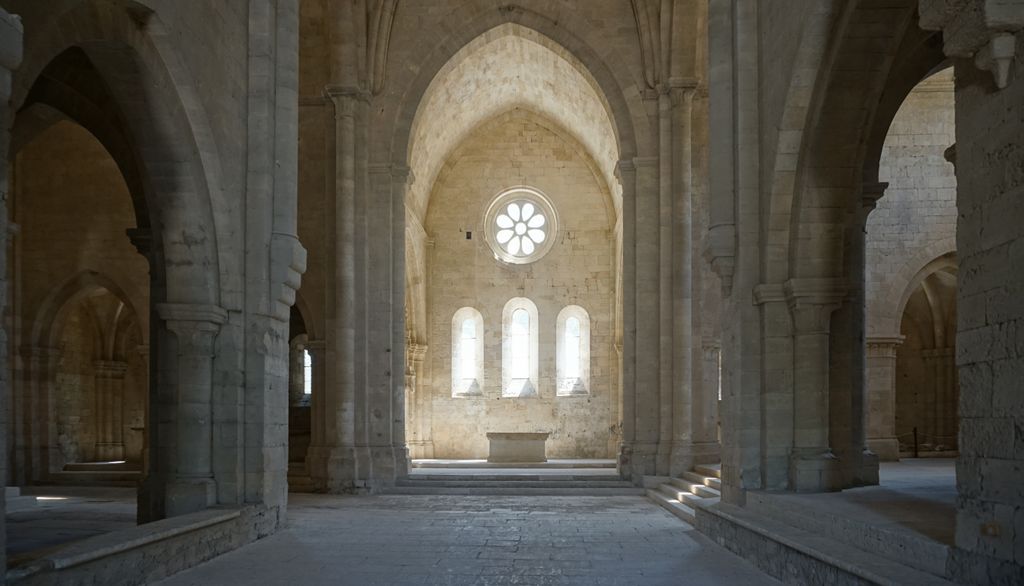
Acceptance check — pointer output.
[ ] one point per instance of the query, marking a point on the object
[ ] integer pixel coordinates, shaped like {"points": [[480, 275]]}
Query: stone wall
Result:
{"points": [[990, 342], [915, 221], [520, 148]]}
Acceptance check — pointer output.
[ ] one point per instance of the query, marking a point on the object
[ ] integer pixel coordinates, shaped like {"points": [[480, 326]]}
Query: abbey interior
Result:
{"points": [[512, 292]]}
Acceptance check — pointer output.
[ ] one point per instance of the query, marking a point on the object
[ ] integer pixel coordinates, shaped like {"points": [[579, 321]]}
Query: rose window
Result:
{"points": [[521, 228], [520, 225]]}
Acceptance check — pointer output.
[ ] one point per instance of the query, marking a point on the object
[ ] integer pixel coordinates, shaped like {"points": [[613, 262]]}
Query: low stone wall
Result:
{"points": [[149, 552]]}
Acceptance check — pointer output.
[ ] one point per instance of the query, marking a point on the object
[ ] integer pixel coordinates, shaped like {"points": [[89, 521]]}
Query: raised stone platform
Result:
{"points": [[896, 533]]}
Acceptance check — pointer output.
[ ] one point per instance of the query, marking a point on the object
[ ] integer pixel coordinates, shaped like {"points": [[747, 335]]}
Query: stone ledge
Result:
{"points": [[119, 542]]}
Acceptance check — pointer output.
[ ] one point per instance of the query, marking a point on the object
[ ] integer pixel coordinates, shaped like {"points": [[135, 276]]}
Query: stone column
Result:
{"points": [[705, 404], [813, 466], [317, 412], [191, 485], [881, 385], [296, 372], [10, 58], [36, 450], [642, 417], [143, 352], [421, 444], [865, 472], [109, 379]]}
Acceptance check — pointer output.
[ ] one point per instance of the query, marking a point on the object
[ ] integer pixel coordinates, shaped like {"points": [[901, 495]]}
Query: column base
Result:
{"points": [[867, 474], [637, 459], [360, 469], [686, 455], [421, 449], [189, 496], [886, 448], [815, 470], [109, 452]]}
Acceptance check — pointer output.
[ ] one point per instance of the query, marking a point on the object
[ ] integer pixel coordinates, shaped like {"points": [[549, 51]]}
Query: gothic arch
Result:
{"points": [[473, 20], [129, 47]]}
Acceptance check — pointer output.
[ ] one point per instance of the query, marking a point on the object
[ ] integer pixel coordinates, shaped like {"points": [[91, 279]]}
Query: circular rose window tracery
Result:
{"points": [[520, 225]]}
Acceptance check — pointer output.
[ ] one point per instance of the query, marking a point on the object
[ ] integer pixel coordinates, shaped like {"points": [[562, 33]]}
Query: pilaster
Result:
{"points": [[109, 378], [881, 385], [813, 467]]}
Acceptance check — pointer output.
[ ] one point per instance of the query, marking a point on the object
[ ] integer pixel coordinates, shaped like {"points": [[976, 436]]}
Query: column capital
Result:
{"points": [[316, 345], [213, 315], [416, 352], [883, 346], [195, 326], [812, 301]]}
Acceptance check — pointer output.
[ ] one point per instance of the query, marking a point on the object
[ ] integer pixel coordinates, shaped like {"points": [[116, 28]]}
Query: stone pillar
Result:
{"points": [[864, 472], [10, 58], [642, 407], [881, 385], [191, 485], [143, 352], [109, 377], [705, 404], [813, 466], [36, 450], [296, 372], [317, 414]]}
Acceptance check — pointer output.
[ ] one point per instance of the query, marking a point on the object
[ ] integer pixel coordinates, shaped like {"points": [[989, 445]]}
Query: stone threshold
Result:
{"points": [[108, 547]]}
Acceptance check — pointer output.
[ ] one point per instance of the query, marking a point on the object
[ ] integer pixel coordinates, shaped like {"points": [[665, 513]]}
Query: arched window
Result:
{"points": [[519, 349], [573, 350], [307, 372], [467, 353]]}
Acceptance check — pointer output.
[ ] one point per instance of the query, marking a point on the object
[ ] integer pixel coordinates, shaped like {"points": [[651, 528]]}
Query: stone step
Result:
{"points": [[708, 481], [86, 478], [446, 483], [695, 488], [903, 547], [475, 464], [298, 483], [517, 477], [681, 510], [709, 471], [103, 467], [515, 491], [681, 495], [795, 555]]}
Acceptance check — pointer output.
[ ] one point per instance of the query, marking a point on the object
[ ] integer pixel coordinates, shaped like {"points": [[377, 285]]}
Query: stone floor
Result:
{"points": [[477, 540]]}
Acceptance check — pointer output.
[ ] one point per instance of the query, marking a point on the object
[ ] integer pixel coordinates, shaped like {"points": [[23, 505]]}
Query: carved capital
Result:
{"points": [[720, 251], [195, 326], [883, 347], [812, 301]]}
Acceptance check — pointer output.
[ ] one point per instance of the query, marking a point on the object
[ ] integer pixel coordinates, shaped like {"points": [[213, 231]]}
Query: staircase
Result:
{"points": [[518, 484], [298, 478], [679, 496]]}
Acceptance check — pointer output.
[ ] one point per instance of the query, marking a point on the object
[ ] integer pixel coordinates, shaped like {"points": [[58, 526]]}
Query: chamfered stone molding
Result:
{"points": [[980, 29]]}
